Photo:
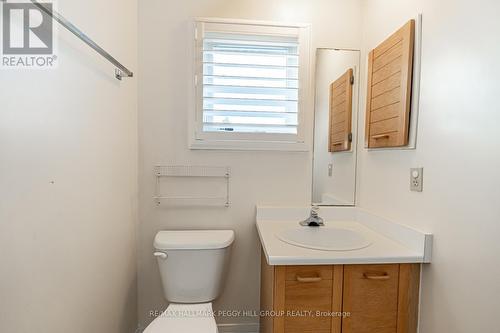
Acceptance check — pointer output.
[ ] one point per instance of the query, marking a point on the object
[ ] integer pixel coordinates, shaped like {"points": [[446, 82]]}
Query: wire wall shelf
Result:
{"points": [[162, 171]]}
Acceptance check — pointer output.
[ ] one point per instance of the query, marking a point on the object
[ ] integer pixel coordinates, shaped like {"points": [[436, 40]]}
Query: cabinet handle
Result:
{"points": [[380, 136], [309, 279], [369, 276], [338, 143]]}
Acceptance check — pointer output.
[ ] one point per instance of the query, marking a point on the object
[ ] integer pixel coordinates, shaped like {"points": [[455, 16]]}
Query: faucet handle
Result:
{"points": [[313, 220]]}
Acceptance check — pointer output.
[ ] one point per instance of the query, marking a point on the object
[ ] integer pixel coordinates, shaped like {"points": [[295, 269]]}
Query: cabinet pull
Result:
{"points": [[339, 143], [309, 279], [370, 276], [380, 136]]}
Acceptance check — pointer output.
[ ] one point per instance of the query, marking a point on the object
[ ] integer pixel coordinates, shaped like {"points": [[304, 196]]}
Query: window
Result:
{"points": [[252, 83]]}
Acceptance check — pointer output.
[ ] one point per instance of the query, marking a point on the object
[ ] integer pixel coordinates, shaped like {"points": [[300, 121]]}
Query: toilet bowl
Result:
{"points": [[192, 268], [185, 318]]}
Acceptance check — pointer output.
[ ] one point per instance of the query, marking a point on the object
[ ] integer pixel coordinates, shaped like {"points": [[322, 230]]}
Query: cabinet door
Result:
{"points": [[302, 297], [390, 69], [340, 136], [371, 297], [307, 295], [308, 289]]}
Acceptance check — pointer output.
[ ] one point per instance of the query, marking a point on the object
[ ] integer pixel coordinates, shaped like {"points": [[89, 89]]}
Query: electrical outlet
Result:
{"points": [[416, 179]]}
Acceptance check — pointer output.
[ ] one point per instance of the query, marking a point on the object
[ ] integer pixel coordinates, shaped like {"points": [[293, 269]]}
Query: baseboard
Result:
{"points": [[238, 328], [228, 328]]}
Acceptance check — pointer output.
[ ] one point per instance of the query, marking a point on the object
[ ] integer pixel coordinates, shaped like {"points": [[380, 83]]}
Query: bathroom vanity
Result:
{"points": [[372, 289], [340, 298]]}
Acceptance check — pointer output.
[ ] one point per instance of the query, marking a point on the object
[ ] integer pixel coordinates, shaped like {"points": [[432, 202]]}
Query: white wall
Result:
{"points": [[68, 168], [258, 177], [459, 146]]}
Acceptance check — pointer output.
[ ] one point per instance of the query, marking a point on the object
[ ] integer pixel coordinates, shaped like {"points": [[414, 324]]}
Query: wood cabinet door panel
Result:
{"points": [[371, 297], [390, 72], [341, 113], [302, 302]]}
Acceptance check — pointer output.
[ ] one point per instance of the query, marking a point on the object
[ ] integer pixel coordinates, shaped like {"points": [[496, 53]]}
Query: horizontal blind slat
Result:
{"points": [[253, 93], [256, 52], [210, 85], [251, 108], [246, 65], [248, 43], [250, 124], [250, 77], [277, 113], [256, 117], [251, 129], [245, 100]]}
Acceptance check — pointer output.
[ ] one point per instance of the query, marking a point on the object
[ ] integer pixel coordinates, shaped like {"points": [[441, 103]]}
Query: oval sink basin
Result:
{"points": [[324, 238]]}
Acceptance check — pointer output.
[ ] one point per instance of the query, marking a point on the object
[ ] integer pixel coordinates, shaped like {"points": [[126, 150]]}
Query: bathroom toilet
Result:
{"points": [[192, 268]]}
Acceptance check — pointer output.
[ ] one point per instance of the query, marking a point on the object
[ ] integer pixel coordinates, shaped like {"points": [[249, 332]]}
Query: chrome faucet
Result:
{"points": [[313, 220]]}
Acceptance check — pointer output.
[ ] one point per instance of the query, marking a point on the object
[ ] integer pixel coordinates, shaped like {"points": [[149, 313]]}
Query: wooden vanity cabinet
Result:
{"points": [[311, 299]]}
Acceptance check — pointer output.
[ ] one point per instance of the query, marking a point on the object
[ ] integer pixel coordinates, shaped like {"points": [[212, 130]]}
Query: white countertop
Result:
{"points": [[390, 242]]}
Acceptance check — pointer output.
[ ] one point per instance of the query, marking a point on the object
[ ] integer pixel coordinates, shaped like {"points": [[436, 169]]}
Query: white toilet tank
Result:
{"points": [[193, 263]]}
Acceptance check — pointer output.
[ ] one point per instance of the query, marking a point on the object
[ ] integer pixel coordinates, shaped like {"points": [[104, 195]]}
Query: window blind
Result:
{"points": [[250, 83]]}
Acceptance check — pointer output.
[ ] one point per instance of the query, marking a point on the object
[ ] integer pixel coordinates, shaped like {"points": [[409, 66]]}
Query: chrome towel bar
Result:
{"points": [[120, 72]]}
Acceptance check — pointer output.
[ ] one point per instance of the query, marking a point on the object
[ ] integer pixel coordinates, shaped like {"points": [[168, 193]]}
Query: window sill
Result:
{"points": [[235, 145]]}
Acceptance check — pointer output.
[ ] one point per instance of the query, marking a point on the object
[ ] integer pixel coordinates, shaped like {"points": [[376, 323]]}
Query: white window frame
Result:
{"points": [[252, 141]]}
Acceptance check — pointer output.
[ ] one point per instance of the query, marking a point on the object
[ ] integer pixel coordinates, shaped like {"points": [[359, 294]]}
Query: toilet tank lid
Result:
{"points": [[193, 239]]}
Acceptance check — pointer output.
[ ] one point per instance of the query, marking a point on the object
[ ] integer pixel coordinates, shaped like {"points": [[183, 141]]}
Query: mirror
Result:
{"points": [[335, 127]]}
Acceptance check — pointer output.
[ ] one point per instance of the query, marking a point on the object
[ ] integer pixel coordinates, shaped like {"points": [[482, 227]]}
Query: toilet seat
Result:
{"points": [[184, 318]]}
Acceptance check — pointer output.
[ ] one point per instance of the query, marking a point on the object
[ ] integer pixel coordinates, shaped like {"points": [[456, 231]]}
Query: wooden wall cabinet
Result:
{"points": [[379, 298], [340, 133], [390, 71]]}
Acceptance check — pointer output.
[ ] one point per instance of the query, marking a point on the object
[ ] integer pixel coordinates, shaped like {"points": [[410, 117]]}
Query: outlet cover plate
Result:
{"points": [[417, 179]]}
